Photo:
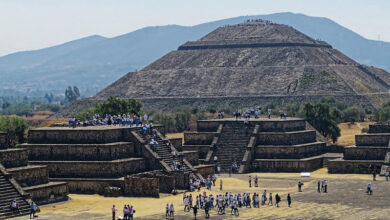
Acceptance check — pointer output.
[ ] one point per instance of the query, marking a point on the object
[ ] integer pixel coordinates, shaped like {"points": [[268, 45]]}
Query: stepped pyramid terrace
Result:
{"points": [[266, 145], [370, 154]]}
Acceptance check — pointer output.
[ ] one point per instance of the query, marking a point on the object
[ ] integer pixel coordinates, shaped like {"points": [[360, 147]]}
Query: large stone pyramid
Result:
{"points": [[253, 62]]}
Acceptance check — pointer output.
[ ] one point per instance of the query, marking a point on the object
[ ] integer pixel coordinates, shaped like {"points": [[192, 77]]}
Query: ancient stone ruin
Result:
{"points": [[247, 64], [266, 145], [370, 153]]}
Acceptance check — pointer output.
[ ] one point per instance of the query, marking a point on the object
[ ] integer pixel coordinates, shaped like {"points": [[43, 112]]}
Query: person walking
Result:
{"points": [[220, 184], [167, 211], [250, 181], [32, 210], [319, 186], [277, 200], [195, 209], [270, 199], [113, 212], [171, 211], [289, 200], [207, 209], [300, 184]]}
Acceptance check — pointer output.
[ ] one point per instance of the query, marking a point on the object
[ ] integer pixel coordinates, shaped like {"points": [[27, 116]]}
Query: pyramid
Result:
{"points": [[252, 62]]}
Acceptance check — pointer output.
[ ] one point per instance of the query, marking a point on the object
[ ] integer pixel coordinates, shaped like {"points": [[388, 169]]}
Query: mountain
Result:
{"points": [[95, 62]]}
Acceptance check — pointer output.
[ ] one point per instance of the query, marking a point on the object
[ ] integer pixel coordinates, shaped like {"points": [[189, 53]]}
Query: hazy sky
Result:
{"points": [[34, 24]]}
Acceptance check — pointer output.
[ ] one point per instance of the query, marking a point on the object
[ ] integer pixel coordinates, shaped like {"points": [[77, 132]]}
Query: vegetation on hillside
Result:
{"points": [[15, 127]]}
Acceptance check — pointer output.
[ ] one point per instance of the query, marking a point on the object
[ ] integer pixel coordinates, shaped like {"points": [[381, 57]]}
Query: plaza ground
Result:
{"points": [[346, 199]]}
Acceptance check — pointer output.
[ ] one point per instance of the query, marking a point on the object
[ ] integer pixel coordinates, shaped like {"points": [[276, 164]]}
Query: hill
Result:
{"points": [[95, 62]]}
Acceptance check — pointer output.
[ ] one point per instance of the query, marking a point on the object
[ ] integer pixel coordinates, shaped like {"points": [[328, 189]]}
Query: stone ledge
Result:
{"points": [[353, 166], [48, 193]]}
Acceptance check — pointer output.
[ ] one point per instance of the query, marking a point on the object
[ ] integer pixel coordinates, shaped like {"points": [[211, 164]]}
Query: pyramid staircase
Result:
{"points": [[9, 191]]}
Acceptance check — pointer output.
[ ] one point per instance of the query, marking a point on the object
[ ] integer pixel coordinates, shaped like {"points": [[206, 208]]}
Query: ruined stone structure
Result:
{"points": [[249, 63], [267, 145], [108, 160], [370, 153]]}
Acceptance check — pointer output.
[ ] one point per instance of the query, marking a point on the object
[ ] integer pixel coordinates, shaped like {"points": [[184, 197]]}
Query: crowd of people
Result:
{"points": [[120, 120], [255, 112]]}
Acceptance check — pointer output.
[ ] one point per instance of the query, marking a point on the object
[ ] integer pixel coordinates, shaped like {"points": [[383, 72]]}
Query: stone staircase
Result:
{"points": [[232, 144], [8, 193], [164, 150]]}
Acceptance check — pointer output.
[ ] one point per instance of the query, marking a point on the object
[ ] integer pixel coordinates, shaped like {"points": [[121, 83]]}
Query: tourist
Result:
{"points": [[125, 212], [171, 211], [300, 184], [256, 181], [387, 174], [374, 175], [325, 186], [219, 170], [167, 211], [277, 200], [131, 213], [15, 205], [113, 212], [206, 210], [289, 200], [250, 181], [32, 210], [319, 186], [270, 199], [215, 159], [369, 189], [186, 204], [195, 209], [220, 184], [269, 113], [264, 197]]}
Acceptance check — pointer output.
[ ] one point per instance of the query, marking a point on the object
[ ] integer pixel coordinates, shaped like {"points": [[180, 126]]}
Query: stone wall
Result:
{"points": [[372, 139], [81, 152], [165, 180], [31, 175], [365, 153], [379, 128], [353, 166], [93, 169], [282, 126], [198, 138], [192, 157], [3, 140], [177, 143], [207, 125], [289, 151], [201, 149], [141, 186], [288, 165], [286, 138], [91, 186], [13, 157], [205, 170], [48, 193]]}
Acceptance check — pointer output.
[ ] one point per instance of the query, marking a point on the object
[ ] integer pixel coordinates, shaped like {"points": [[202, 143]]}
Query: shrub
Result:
{"points": [[16, 129]]}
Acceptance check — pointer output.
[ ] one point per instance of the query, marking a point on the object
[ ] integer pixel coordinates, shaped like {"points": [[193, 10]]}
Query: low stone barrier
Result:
{"points": [[13, 157], [141, 186], [198, 138]]}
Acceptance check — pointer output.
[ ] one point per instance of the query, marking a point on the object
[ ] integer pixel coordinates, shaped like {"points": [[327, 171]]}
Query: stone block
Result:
{"points": [[372, 139], [289, 151], [141, 186], [353, 166], [93, 169], [13, 157], [80, 152], [286, 138], [288, 165], [201, 149], [364, 153], [198, 138], [30, 175], [192, 157]]}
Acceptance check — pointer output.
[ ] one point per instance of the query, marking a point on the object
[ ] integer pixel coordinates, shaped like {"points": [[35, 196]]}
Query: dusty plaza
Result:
{"points": [[346, 199]]}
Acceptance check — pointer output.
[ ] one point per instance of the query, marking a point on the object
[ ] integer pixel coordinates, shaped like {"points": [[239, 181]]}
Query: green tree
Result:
{"points": [[15, 127], [72, 94], [320, 118], [384, 114], [353, 114], [116, 106]]}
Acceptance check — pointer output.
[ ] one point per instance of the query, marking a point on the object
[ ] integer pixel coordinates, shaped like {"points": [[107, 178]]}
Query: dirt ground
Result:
{"points": [[346, 199], [348, 132]]}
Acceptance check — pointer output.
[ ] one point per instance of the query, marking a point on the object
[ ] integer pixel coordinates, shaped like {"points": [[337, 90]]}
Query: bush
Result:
{"points": [[16, 129], [353, 114], [384, 114]]}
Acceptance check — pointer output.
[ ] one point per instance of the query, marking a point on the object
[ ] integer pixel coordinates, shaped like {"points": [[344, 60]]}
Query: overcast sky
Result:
{"points": [[35, 24]]}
